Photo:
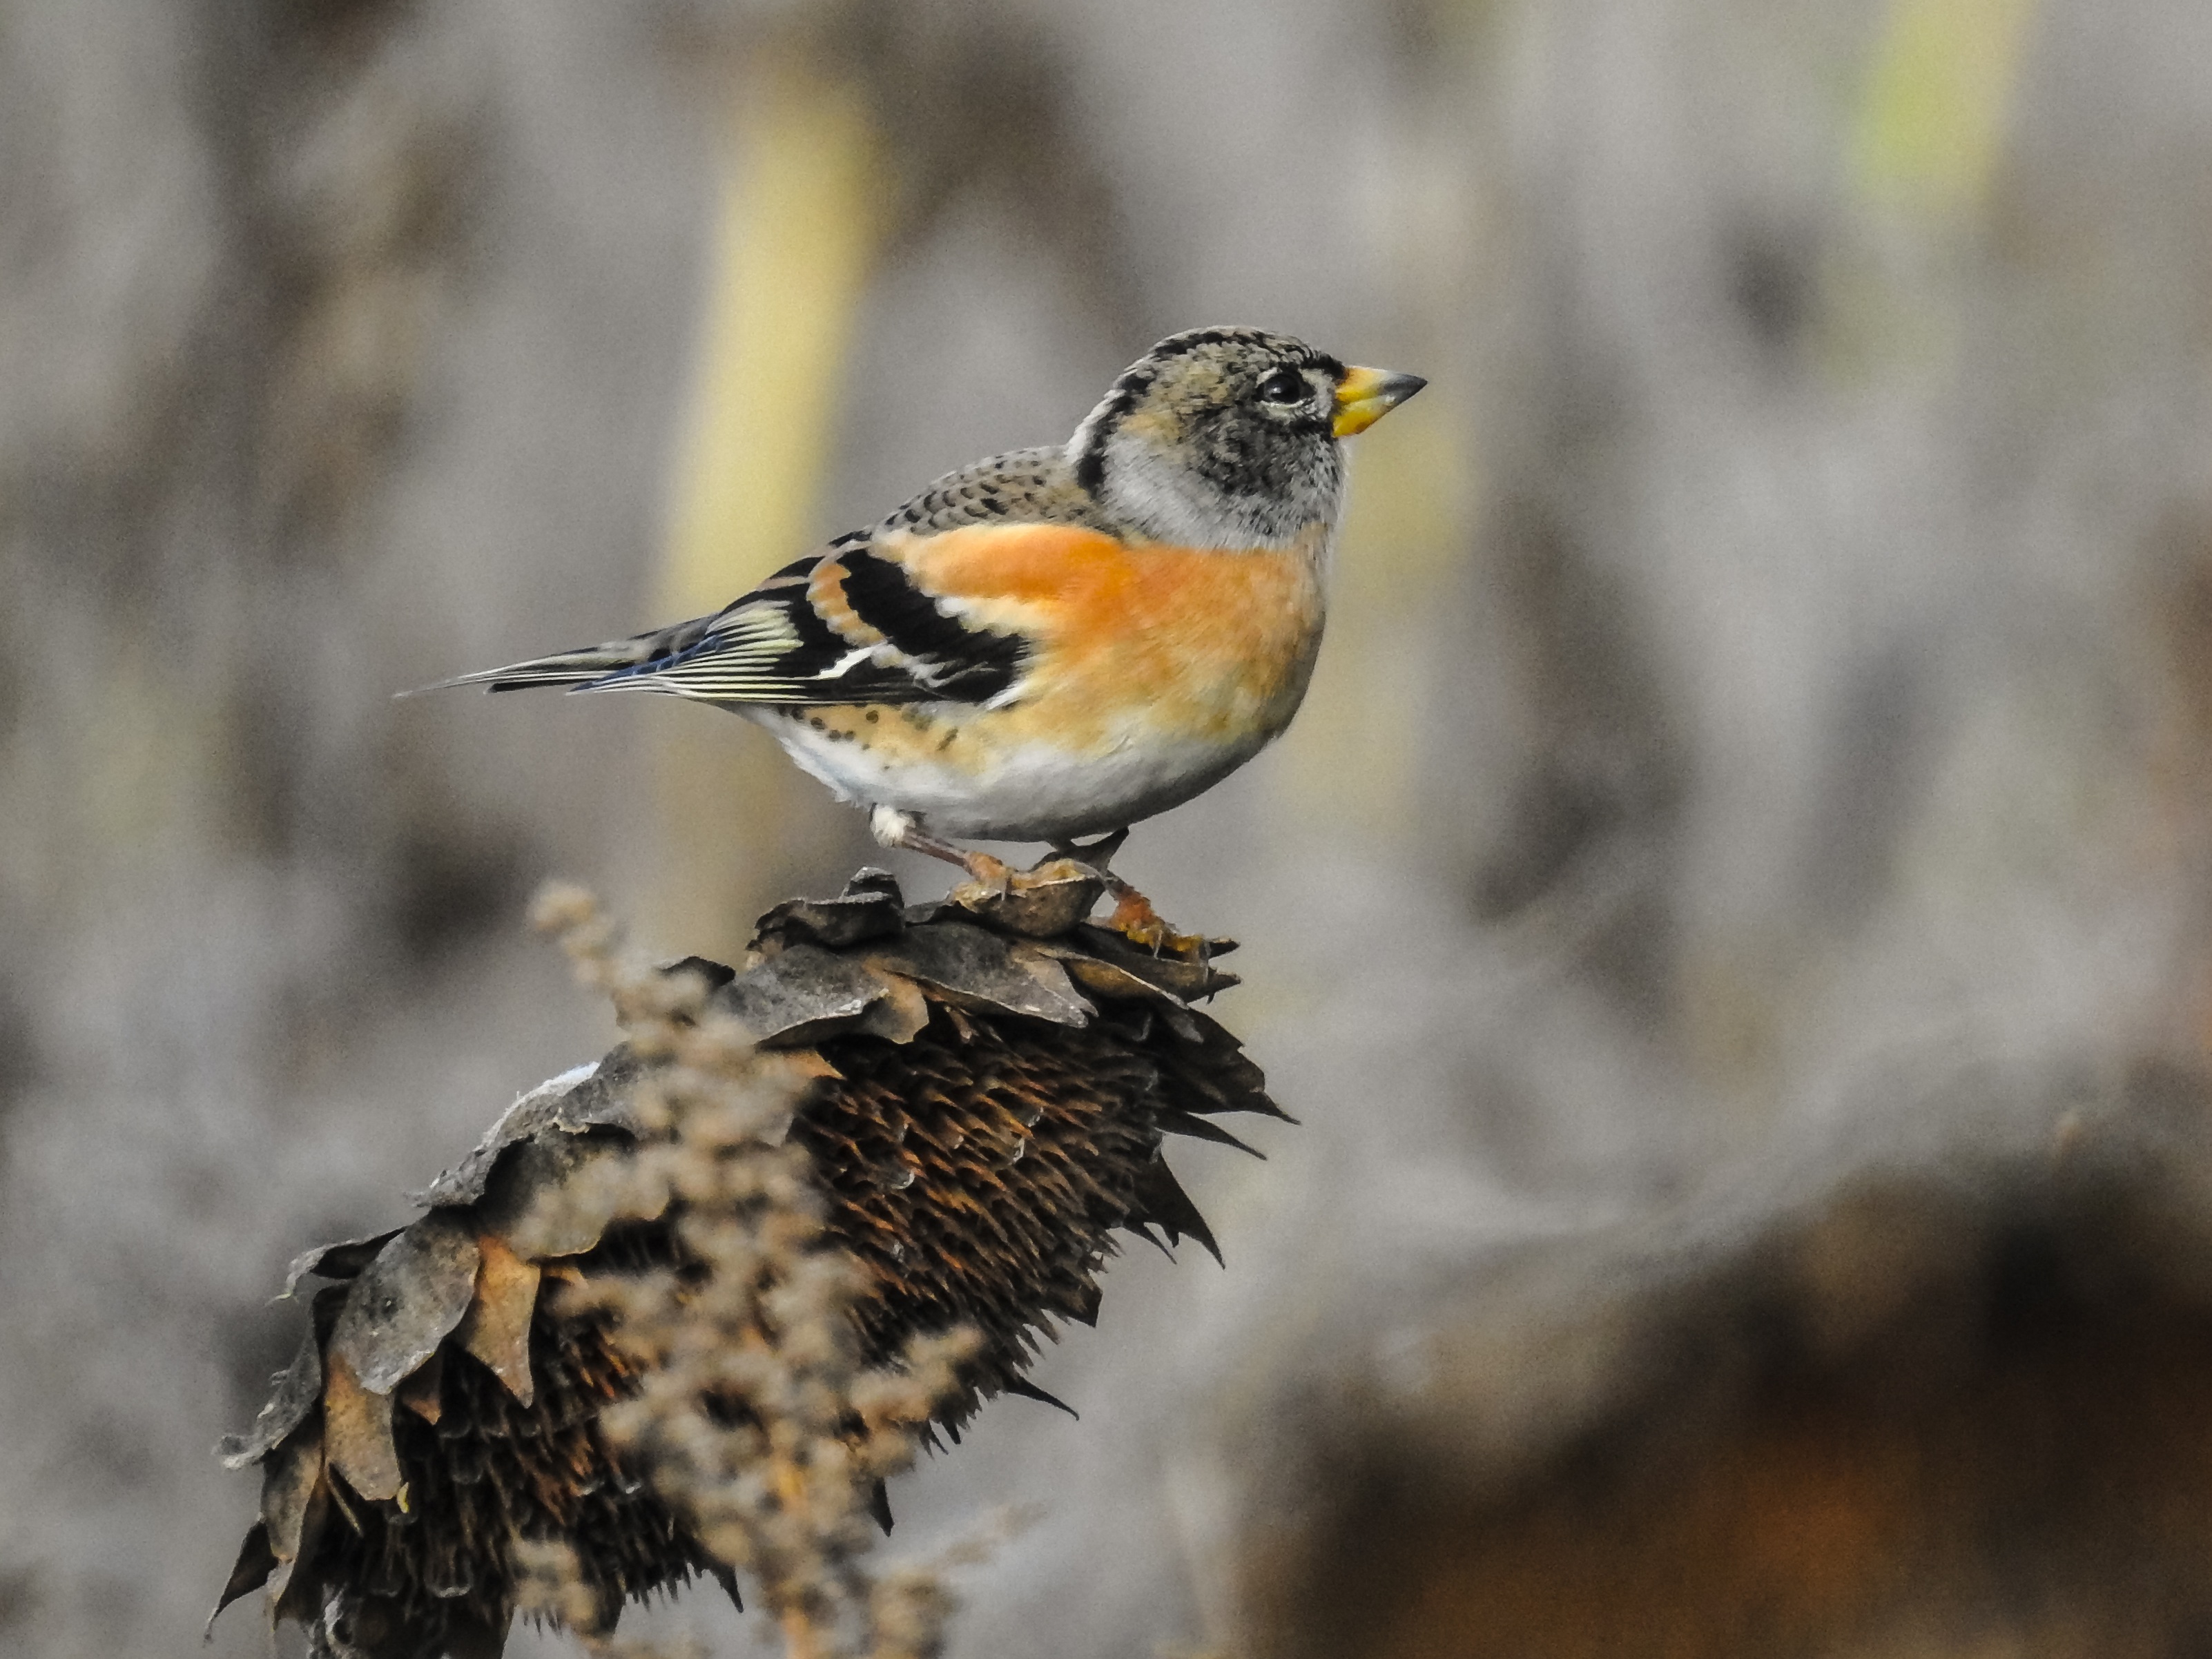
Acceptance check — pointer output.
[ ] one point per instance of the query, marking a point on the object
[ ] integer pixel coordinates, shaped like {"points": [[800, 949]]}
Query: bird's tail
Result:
{"points": [[578, 670], [568, 668]]}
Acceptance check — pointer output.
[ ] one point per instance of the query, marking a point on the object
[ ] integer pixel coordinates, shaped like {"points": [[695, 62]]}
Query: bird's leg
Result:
{"points": [[1098, 854], [892, 828]]}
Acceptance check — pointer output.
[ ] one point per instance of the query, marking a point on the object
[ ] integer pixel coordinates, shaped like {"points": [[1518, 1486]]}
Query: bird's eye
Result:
{"points": [[1285, 386]]}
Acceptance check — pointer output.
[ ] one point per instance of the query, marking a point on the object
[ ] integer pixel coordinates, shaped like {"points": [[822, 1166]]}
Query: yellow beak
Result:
{"points": [[1364, 395]]}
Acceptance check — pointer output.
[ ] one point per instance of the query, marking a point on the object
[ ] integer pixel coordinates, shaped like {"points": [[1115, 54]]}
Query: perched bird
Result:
{"points": [[1053, 642]]}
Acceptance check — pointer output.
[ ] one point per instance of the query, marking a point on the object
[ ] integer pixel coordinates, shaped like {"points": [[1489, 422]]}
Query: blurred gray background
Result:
{"points": [[1764, 734]]}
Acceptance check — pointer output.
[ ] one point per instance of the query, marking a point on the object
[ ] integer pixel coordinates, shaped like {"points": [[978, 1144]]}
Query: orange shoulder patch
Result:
{"points": [[825, 592], [1021, 562]]}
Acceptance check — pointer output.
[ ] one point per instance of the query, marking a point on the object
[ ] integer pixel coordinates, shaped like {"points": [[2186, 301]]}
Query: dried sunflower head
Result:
{"points": [[977, 1099]]}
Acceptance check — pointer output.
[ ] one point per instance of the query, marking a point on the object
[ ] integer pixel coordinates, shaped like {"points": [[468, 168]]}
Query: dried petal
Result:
{"points": [[868, 908], [799, 995], [1198, 1128], [357, 1428], [286, 1488], [1040, 903], [344, 1260], [1103, 979], [293, 1595], [584, 1098], [414, 1292], [1179, 978], [297, 1388], [555, 1195], [903, 1013], [254, 1565], [496, 1328], [1166, 1205], [425, 1393], [961, 957]]}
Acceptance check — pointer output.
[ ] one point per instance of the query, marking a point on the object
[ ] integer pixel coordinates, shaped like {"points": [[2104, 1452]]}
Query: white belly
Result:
{"points": [[1026, 792]]}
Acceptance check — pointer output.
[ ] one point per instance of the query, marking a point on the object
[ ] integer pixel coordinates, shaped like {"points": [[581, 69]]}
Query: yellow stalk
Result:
{"points": [[799, 224]]}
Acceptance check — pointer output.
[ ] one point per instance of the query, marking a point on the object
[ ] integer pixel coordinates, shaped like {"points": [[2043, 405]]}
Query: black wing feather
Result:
{"points": [[772, 647], [963, 664]]}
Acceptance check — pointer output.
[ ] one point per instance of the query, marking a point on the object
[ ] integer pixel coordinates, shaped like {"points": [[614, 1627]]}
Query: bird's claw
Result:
{"points": [[1135, 920], [1042, 903], [1047, 900], [989, 879]]}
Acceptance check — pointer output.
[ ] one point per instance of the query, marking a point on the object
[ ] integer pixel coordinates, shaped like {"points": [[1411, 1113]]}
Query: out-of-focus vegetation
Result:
{"points": [[1761, 747]]}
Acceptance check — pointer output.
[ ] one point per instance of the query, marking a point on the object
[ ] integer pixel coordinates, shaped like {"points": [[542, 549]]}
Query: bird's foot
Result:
{"points": [[1051, 897], [1041, 903], [989, 879], [1132, 917], [1135, 920]]}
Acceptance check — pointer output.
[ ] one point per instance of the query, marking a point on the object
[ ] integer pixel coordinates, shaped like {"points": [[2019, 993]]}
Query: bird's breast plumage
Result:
{"points": [[1207, 644]]}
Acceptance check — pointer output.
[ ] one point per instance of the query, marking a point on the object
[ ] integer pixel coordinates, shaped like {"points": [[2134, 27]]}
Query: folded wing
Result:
{"points": [[846, 626]]}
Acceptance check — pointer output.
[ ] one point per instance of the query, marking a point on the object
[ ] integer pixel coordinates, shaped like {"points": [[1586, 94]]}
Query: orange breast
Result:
{"points": [[1197, 643]]}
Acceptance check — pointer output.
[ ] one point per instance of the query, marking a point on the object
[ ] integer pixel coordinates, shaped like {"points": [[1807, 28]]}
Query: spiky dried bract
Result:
{"points": [[684, 1311]]}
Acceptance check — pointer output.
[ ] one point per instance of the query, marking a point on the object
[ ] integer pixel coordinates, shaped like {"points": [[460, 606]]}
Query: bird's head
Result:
{"points": [[1229, 437]]}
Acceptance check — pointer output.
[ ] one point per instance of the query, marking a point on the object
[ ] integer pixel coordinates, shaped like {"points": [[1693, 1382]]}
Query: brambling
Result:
{"points": [[1053, 642]]}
